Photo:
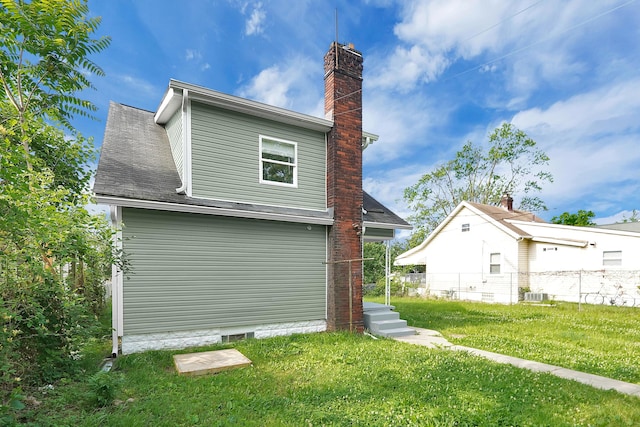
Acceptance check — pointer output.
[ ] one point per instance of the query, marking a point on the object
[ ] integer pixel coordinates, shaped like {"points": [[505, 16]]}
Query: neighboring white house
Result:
{"points": [[493, 253]]}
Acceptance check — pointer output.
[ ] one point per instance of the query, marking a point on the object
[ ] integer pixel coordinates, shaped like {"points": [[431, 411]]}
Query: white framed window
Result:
{"points": [[466, 227], [278, 162], [610, 258], [494, 263]]}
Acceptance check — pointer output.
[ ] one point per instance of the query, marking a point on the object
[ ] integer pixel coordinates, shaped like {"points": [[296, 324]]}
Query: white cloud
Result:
{"points": [[592, 140], [588, 113], [255, 24], [289, 84], [528, 42], [406, 67], [401, 122], [192, 54]]}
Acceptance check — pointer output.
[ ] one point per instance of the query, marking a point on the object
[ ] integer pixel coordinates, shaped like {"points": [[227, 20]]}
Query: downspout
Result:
{"points": [[186, 152], [116, 283]]}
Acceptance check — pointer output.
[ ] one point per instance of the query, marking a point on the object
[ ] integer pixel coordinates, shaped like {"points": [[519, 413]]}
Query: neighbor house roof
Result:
{"points": [[622, 226], [496, 215], [501, 215], [136, 169], [519, 225]]}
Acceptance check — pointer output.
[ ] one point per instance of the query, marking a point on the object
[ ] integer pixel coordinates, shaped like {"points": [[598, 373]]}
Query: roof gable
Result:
{"points": [[495, 215]]}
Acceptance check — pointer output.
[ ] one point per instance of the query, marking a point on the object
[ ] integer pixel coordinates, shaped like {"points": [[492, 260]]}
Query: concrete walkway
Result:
{"points": [[433, 339]]}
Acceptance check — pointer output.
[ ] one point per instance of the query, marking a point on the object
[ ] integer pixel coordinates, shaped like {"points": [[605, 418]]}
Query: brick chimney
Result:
{"points": [[343, 105], [507, 202]]}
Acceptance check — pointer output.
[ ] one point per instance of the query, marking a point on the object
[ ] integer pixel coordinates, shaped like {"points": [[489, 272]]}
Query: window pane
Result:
{"points": [[494, 263], [277, 172], [278, 151]]}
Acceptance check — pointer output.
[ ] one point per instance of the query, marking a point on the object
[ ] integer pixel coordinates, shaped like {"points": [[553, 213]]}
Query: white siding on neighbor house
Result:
{"points": [[460, 259], [201, 272], [174, 132], [523, 263], [226, 160], [566, 272], [587, 258]]}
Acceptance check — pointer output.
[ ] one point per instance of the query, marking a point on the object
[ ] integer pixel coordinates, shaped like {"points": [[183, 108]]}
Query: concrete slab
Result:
{"points": [[433, 339], [426, 337], [595, 381], [209, 362]]}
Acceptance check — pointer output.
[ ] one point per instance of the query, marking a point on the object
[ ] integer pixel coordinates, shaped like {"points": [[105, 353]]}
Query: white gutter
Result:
{"points": [[562, 242], [210, 210], [186, 151]]}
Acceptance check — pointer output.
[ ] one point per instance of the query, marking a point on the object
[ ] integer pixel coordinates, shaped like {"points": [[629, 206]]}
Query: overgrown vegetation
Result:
{"points": [[336, 379], [54, 253], [598, 339]]}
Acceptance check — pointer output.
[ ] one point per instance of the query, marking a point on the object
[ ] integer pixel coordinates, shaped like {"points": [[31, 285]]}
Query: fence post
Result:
{"points": [[580, 290]]}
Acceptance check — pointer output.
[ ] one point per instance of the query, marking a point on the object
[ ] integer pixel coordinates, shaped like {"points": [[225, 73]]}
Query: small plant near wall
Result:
{"points": [[521, 291]]}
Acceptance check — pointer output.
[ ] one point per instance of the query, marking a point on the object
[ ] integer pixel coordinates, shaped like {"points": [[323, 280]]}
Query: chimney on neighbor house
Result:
{"points": [[343, 105], [507, 202]]}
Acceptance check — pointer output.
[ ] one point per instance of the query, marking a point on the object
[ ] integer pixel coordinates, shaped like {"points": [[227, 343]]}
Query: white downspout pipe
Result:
{"points": [[116, 283], [186, 152]]}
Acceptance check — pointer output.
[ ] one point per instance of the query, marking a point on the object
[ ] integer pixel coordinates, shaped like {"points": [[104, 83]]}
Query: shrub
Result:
{"points": [[104, 387], [397, 289]]}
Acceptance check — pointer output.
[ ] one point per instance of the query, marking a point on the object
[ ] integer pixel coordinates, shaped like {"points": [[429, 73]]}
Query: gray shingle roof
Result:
{"points": [[136, 163]]}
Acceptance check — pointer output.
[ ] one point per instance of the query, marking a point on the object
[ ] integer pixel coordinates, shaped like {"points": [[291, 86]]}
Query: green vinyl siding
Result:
{"points": [[174, 132], [226, 160], [194, 271]]}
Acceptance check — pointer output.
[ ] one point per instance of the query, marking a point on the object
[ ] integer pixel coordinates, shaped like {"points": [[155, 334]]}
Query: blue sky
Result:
{"points": [[437, 74]]}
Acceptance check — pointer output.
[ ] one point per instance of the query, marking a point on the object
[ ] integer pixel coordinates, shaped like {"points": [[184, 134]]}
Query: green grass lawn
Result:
{"points": [[338, 379], [601, 340]]}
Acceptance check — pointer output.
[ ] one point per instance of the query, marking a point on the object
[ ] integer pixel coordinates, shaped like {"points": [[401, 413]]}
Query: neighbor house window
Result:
{"points": [[612, 258], [466, 227], [278, 161], [494, 263]]}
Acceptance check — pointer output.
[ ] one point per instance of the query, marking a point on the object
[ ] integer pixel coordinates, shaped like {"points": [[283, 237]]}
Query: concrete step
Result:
{"points": [[377, 316], [381, 320], [384, 325], [397, 332], [372, 306]]}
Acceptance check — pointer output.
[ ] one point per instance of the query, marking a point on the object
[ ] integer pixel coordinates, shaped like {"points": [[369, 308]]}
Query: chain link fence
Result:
{"points": [[615, 287]]}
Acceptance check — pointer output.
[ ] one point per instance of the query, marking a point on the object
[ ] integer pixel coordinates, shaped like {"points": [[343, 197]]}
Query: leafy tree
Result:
{"points": [[511, 163], [581, 218], [374, 269], [635, 217], [46, 305]]}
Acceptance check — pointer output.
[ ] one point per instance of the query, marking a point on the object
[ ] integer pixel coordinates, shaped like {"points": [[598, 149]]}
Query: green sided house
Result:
{"points": [[239, 218]]}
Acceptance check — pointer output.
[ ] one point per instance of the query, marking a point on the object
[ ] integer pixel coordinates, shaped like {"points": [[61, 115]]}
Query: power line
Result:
{"points": [[502, 21], [543, 40]]}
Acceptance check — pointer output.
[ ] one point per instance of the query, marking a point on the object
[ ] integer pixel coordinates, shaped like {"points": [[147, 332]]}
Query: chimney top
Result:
{"points": [[507, 202]]}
